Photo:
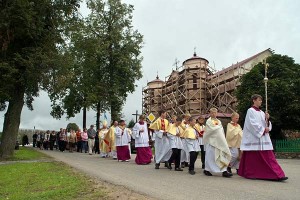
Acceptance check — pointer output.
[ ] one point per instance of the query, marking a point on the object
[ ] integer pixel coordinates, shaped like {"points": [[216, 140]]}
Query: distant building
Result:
{"points": [[195, 87]]}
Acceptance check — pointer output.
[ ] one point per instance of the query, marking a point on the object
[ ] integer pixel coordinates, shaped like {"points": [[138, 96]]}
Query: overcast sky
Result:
{"points": [[223, 32]]}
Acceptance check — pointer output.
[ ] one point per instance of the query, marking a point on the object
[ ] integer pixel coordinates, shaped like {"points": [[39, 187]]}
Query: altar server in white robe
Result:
{"points": [[141, 135], [234, 135], [174, 133], [191, 140], [162, 147], [200, 129], [258, 160], [123, 138], [218, 155], [185, 155]]}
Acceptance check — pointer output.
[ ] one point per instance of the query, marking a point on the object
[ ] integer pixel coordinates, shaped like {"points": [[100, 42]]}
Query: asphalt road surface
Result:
{"points": [[166, 184]]}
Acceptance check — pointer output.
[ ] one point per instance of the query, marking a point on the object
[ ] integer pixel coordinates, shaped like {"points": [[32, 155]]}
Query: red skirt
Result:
{"points": [[260, 165], [123, 153], [143, 155]]}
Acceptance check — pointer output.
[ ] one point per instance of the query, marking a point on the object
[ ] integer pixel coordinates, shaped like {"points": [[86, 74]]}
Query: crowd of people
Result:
{"points": [[179, 141]]}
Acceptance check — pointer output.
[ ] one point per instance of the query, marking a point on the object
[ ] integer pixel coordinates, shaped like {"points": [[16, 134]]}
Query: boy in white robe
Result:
{"points": [[200, 129], [234, 135], [185, 155], [218, 155], [191, 140], [174, 133], [161, 145]]}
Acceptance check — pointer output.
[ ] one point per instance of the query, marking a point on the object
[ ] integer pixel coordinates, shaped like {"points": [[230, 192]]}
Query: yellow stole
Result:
{"points": [[173, 129], [183, 125], [199, 128], [157, 125], [189, 133]]}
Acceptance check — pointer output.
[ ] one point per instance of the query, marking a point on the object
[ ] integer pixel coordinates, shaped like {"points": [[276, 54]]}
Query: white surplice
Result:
{"points": [[175, 141], [163, 150], [122, 136], [140, 134], [254, 138], [192, 144]]}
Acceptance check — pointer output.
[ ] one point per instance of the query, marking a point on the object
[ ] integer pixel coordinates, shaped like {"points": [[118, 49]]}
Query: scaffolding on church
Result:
{"points": [[195, 87]]}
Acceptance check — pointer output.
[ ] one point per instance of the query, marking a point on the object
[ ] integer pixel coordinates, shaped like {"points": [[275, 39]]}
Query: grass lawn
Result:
{"points": [[26, 153], [44, 180]]}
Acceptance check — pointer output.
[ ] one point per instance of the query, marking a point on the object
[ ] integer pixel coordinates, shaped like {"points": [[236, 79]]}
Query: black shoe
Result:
{"points": [[168, 165], [186, 164], [192, 172], [207, 173], [229, 170], [226, 174], [283, 178], [156, 165], [182, 165], [178, 169]]}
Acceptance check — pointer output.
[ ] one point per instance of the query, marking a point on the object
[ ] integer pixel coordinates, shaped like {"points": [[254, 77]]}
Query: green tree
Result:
{"points": [[32, 56], [72, 126], [108, 61], [131, 124], [283, 92]]}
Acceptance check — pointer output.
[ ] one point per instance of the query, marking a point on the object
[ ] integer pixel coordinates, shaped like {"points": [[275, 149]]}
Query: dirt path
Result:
{"points": [[165, 184]]}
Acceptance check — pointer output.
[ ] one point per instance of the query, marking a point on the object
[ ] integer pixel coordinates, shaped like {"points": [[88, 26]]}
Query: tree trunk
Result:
{"points": [[11, 123], [84, 117], [115, 111], [98, 116]]}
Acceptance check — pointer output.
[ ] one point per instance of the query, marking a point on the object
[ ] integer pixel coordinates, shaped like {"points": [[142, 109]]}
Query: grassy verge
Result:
{"points": [[45, 180], [26, 153]]}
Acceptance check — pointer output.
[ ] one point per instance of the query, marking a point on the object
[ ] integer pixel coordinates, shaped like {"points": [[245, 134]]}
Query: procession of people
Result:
{"points": [[249, 150]]}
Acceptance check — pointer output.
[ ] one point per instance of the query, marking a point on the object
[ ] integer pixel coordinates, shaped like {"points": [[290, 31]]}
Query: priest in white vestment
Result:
{"points": [[141, 135], [218, 154], [258, 160]]}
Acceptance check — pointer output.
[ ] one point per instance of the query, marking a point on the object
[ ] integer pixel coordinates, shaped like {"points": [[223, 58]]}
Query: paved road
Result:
{"points": [[166, 184]]}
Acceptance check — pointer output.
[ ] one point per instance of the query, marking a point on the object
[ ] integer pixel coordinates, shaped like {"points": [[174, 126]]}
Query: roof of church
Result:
{"points": [[195, 57], [240, 63], [156, 80]]}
